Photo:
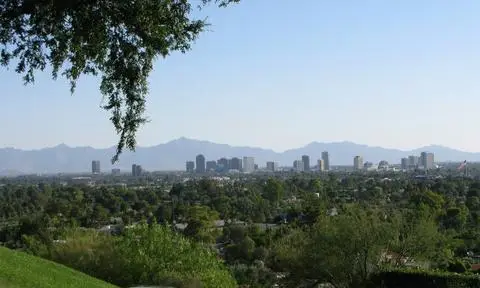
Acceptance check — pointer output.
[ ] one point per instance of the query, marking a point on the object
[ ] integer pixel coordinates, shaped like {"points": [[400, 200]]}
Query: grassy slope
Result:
{"points": [[20, 270]]}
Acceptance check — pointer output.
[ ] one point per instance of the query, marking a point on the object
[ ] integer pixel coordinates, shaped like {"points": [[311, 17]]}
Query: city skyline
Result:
{"points": [[172, 156], [202, 165], [424, 161], [288, 84]]}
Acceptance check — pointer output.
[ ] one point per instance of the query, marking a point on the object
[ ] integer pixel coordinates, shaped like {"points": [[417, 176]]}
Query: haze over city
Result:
{"points": [[391, 74]]}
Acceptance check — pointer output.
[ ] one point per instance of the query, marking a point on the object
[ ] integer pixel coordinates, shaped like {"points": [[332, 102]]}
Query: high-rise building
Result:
{"points": [[326, 160], [248, 164], [413, 162], [236, 164], [298, 165], [427, 160], [272, 166], [358, 163], [115, 171], [190, 166], [200, 163], [136, 170], [404, 163], [223, 164], [211, 165], [306, 163], [95, 167], [321, 165]]}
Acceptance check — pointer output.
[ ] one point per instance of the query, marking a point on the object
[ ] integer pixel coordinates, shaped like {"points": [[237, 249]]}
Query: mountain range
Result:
{"points": [[173, 155]]}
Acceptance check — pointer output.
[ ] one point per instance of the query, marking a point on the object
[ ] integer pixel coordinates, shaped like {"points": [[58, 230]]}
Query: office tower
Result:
{"points": [[413, 162], [357, 163], [248, 164], [404, 163], [200, 163], [115, 171], [321, 165], [272, 166], [136, 170], [306, 163], [236, 164], [298, 165], [223, 164], [190, 166], [95, 167], [326, 160], [211, 165], [430, 161], [427, 160]]}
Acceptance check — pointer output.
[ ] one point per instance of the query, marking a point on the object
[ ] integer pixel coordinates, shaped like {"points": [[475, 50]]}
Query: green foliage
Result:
{"points": [[407, 222], [155, 253], [145, 254], [117, 39], [417, 235], [200, 224], [256, 275], [273, 190], [422, 279], [340, 250], [20, 270]]}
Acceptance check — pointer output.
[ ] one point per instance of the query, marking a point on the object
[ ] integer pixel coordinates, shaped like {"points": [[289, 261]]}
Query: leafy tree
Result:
{"points": [[117, 39], [455, 218], [200, 224], [417, 236], [341, 250], [273, 190]]}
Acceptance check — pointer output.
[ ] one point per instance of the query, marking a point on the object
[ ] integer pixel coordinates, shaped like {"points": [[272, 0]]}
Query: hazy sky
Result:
{"points": [[279, 74]]}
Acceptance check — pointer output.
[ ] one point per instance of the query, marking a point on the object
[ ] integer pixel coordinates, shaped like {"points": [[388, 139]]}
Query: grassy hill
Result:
{"points": [[20, 270]]}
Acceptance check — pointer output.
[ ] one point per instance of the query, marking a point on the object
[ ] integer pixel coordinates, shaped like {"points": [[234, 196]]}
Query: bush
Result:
{"points": [[144, 255], [423, 279]]}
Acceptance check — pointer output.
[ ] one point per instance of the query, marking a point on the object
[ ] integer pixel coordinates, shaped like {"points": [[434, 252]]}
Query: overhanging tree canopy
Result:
{"points": [[115, 39]]}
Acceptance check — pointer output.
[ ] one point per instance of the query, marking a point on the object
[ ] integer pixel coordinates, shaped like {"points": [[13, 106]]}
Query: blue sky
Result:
{"points": [[279, 74]]}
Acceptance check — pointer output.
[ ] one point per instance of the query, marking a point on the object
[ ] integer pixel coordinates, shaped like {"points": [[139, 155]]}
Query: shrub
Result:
{"points": [[423, 279], [144, 255]]}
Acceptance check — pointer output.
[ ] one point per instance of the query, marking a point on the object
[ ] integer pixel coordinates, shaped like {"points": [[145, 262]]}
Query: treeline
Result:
{"points": [[301, 231]]}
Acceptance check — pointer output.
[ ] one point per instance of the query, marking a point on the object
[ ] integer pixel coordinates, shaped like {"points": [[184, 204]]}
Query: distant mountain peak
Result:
{"points": [[173, 154]]}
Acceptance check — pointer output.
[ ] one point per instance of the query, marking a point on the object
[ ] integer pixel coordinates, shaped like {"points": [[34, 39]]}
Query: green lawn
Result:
{"points": [[20, 270]]}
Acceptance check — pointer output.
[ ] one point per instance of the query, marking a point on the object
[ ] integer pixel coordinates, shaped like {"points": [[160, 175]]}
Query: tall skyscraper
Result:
{"points": [[306, 163], [427, 160], [190, 166], [321, 165], [326, 160], [136, 170], [298, 165], [358, 163], [95, 167], [404, 164], [236, 164], [413, 162], [248, 164], [272, 166], [223, 164], [200, 163], [211, 165]]}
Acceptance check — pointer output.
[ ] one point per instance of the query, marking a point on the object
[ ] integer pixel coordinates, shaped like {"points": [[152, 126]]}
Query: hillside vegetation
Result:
{"points": [[21, 270]]}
